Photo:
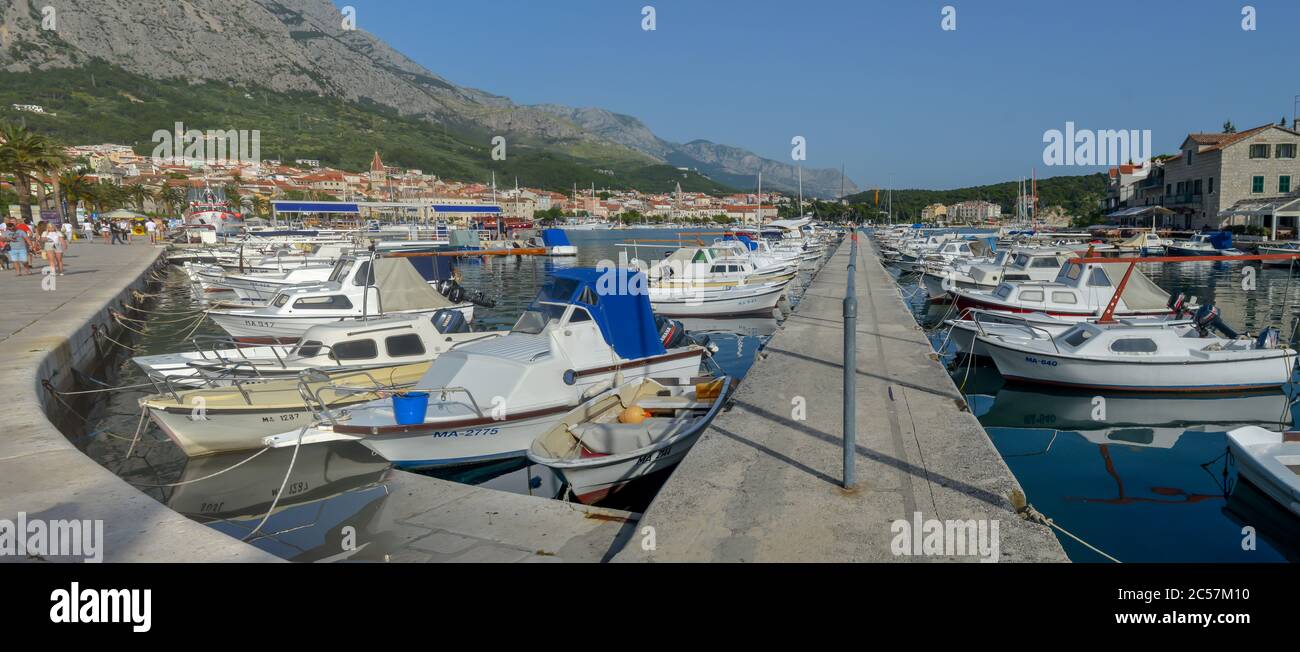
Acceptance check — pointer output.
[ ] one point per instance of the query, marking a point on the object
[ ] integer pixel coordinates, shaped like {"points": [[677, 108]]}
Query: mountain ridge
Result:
{"points": [[301, 46]]}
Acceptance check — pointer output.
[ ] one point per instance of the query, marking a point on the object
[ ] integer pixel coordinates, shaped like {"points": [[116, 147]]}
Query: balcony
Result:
{"points": [[1183, 199]]}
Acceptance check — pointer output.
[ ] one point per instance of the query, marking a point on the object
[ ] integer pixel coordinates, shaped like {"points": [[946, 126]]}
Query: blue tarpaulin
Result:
{"points": [[555, 238], [618, 303]]}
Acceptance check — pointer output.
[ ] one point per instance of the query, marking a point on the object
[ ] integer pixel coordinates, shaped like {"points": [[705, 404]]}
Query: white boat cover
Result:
{"points": [[1141, 293], [402, 288]]}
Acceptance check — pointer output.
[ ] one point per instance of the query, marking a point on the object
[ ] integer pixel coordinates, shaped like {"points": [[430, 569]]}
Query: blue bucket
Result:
{"points": [[409, 408]]}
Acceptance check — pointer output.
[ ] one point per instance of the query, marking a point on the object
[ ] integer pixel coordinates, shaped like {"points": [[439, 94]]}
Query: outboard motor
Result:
{"points": [[456, 293], [1207, 317], [448, 321], [1267, 338], [671, 332], [1176, 303]]}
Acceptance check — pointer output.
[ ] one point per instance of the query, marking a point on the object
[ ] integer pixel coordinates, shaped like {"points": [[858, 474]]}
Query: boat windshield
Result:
{"points": [[538, 317], [340, 270]]}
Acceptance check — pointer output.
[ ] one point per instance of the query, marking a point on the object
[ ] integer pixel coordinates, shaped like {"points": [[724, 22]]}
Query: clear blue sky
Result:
{"points": [[873, 84]]}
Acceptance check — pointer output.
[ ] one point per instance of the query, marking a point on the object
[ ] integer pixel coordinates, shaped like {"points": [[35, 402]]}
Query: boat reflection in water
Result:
{"points": [[1136, 476], [331, 486]]}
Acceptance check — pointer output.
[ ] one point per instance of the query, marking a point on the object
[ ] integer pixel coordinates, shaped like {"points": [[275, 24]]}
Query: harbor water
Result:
{"points": [[1141, 478], [344, 483]]}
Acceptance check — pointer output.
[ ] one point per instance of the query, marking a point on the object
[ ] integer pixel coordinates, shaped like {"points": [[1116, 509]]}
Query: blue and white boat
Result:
{"points": [[557, 243], [1214, 243], [586, 333]]}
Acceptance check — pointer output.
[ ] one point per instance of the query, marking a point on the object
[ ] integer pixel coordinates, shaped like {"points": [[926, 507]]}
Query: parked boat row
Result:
{"points": [[1101, 326], [593, 380]]}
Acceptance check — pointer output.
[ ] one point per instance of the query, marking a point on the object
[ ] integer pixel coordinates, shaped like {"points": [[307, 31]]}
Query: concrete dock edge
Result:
{"points": [[47, 335]]}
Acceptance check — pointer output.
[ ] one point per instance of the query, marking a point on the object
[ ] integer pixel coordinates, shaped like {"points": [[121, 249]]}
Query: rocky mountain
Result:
{"points": [[731, 165], [303, 46]]}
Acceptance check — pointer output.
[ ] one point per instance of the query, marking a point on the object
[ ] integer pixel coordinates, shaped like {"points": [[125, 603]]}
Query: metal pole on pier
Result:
{"points": [[851, 362]]}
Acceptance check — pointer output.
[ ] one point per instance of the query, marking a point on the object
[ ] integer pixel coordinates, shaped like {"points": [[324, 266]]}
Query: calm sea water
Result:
{"points": [[1145, 484], [343, 484]]}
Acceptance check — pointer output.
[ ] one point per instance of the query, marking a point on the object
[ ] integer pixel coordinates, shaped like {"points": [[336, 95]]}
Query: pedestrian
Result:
{"points": [[54, 245], [152, 229], [105, 230], [19, 245], [67, 234]]}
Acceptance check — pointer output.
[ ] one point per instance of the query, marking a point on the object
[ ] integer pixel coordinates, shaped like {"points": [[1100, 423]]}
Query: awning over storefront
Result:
{"points": [[1272, 208]]}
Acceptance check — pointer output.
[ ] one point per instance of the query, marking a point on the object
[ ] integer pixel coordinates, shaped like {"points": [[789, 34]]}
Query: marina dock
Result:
{"points": [[763, 483]]}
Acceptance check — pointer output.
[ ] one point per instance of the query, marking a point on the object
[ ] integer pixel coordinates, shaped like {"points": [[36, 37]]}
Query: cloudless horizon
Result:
{"points": [[875, 85]]}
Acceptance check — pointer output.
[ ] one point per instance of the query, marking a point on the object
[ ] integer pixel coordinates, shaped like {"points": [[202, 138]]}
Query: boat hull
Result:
{"points": [[713, 303], [480, 440], [1232, 375]]}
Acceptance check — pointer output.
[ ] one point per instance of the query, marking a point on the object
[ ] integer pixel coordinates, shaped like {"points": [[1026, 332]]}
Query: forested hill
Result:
{"points": [[1078, 195]]}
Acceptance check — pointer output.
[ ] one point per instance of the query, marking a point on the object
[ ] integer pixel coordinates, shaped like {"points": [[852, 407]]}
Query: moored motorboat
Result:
{"points": [[337, 346], [583, 335], [1269, 460], [618, 437], [394, 287], [1122, 357]]}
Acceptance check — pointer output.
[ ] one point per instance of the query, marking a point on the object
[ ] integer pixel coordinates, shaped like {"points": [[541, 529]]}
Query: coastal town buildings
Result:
{"points": [[1217, 180]]}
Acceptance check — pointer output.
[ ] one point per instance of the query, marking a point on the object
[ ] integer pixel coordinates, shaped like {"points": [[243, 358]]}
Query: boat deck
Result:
{"points": [[763, 483]]}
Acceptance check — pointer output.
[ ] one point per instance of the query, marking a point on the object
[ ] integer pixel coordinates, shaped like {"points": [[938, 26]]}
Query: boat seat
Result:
{"points": [[614, 438]]}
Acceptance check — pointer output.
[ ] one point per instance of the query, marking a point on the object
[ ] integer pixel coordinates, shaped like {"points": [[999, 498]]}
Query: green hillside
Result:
{"points": [[1078, 195], [105, 104]]}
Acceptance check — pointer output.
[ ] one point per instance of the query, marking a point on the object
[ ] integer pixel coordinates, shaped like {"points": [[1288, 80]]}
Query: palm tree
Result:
{"points": [[76, 188], [168, 197], [136, 195], [24, 155]]}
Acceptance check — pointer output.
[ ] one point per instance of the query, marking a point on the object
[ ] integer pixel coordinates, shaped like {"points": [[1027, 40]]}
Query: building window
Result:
{"points": [[1196, 187], [1285, 151], [1259, 151], [1189, 157], [1169, 190], [1284, 183], [1257, 184], [1210, 186]]}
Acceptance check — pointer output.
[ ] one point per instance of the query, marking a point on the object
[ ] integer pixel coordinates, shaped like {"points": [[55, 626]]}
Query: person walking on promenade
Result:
{"points": [[54, 245], [152, 229], [116, 228], [67, 234], [105, 229], [19, 245]]}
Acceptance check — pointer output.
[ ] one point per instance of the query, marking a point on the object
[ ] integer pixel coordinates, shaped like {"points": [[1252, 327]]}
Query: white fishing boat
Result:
{"points": [[1124, 357], [582, 336], [239, 416], [1217, 243], [618, 437], [1146, 243], [1290, 248], [1270, 461], [1017, 264], [1079, 292], [337, 346], [394, 288], [963, 331], [710, 282]]}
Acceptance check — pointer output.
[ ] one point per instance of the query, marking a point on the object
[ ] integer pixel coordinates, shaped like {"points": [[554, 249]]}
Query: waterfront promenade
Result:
{"points": [[45, 331], [763, 483]]}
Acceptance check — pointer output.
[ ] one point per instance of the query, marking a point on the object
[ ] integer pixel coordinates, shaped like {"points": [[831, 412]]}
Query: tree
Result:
{"points": [[1229, 128], [76, 188], [25, 155]]}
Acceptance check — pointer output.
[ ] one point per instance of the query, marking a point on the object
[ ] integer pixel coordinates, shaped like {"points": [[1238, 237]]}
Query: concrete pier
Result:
{"points": [[46, 332], [762, 484]]}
